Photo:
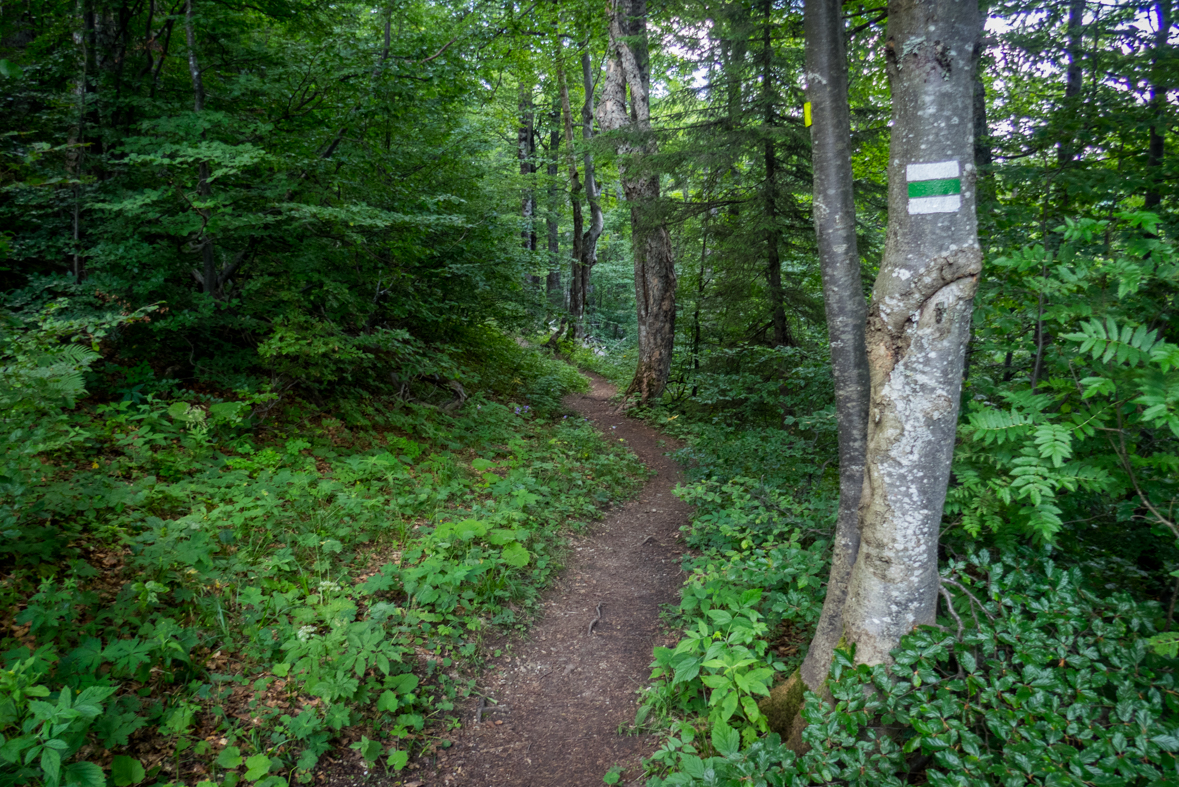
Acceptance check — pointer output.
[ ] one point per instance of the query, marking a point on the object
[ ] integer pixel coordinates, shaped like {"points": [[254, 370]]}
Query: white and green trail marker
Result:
{"points": [[934, 188]]}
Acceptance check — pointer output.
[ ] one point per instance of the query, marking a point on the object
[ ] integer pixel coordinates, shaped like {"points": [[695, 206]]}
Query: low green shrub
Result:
{"points": [[1032, 678], [756, 574], [220, 589]]}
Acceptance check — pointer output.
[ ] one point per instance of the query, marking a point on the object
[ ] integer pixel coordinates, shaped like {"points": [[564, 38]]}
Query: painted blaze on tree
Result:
{"points": [[918, 321], [934, 188]]}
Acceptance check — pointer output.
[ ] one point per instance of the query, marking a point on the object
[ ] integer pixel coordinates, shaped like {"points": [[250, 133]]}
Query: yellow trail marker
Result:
{"points": [[806, 114]]}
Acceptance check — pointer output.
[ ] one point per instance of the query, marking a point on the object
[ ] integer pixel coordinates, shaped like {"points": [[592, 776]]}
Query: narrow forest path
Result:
{"points": [[561, 697]]}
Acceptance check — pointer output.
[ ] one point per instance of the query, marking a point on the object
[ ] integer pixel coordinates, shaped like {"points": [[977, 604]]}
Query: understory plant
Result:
{"points": [[1081, 425], [221, 588], [1030, 677]]}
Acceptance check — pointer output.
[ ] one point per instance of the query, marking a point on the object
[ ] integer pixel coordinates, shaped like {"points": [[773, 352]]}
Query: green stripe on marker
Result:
{"points": [[935, 188]]}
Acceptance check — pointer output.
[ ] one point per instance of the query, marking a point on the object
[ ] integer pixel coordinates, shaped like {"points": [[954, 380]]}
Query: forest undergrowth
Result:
{"points": [[1053, 657], [213, 587], [272, 465]]}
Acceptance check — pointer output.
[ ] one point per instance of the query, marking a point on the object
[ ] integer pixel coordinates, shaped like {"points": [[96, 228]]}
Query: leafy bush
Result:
{"points": [[757, 572], [40, 733], [753, 385], [1033, 678], [324, 577], [521, 374], [1090, 432]]}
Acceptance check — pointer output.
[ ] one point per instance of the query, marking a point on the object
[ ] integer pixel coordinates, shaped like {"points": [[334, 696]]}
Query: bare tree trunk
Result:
{"points": [[577, 292], [655, 278], [843, 295], [525, 151], [84, 39], [553, 280], [1156, 150], [585, 243], [1072, 85], [208, 276], [782, 335], [918, 322], [699, 297], [589, 244]]}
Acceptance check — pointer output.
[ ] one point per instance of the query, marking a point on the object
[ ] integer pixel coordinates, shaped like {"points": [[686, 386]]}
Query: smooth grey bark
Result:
{"points": [[627, 68], [834, 212], [918, 326]]}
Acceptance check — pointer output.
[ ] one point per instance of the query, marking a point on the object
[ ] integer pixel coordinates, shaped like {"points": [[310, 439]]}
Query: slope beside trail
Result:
{"points": [[557, 700]]}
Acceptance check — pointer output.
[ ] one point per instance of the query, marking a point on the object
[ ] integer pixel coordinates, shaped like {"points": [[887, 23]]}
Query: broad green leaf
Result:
{"points": [[397, 759], [725, 739], [516, 555], [230, 757], [126, 771], [84, 774], [257, 767]]}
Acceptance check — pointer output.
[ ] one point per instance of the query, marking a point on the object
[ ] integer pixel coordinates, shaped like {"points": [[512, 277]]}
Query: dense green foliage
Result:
{"points": [[272, 463], [1043, 682], [180, 574], [1064, 477], [307, 172]]}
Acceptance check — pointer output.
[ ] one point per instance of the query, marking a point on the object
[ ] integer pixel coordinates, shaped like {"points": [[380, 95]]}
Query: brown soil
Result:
{"points": [[556, 704]]}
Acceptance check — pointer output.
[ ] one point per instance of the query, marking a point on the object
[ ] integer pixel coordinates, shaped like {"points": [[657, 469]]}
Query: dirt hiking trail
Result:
{"points": [[555, 706]]}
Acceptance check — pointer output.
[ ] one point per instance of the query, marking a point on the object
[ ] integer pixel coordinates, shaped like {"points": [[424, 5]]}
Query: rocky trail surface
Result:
{"points": [[556, 702]]}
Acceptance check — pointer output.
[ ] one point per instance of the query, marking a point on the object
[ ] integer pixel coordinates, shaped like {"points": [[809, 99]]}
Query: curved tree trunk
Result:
{"points": [[655, 278], [918, 322]]}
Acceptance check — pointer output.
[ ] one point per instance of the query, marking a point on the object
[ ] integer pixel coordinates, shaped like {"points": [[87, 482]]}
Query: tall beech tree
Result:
{"points": [[585, 239], [918, 322], [899, 439], [628, 68], [834, 213]]}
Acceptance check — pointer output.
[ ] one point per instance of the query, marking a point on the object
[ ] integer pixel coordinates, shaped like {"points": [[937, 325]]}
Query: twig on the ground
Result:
{"points": [[482, 708], [645, 540], [590, 631]]}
